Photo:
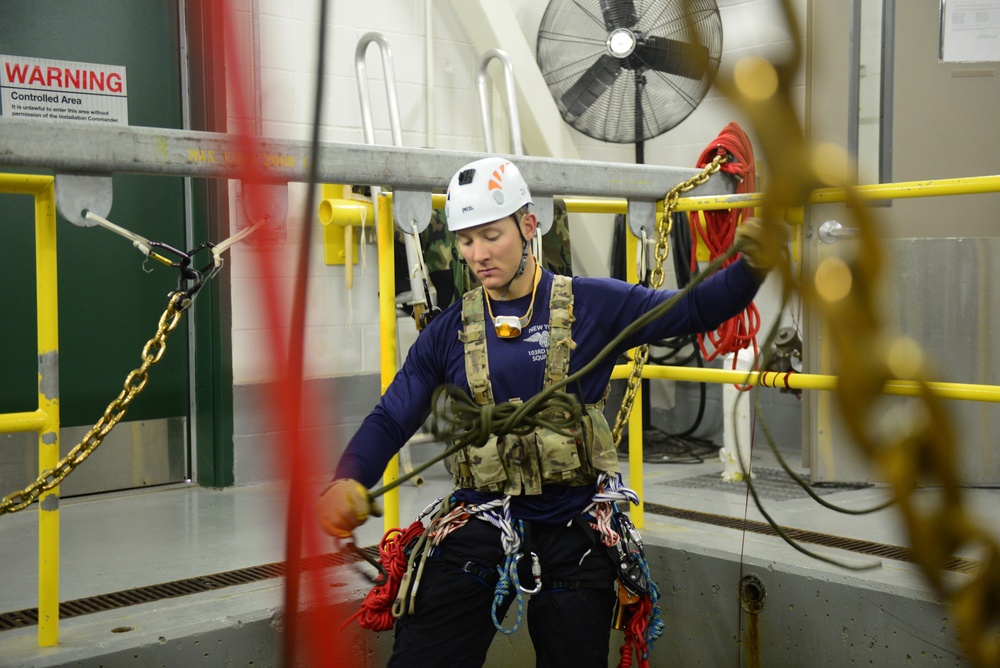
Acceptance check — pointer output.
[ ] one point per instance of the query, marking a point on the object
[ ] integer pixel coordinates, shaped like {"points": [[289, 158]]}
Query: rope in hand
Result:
{"points": [[739, 332]]}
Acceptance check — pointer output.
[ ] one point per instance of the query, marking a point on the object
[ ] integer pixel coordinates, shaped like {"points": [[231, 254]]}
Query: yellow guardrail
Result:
{"points": [[804, 381], [45, 419], [971, 185], [810, 381], [388, 340]]}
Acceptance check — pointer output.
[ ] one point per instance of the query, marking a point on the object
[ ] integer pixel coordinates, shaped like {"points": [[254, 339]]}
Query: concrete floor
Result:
{"points": [[119, 541]]}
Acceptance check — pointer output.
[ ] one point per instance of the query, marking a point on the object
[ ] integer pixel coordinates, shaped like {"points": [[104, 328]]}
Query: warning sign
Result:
{"points": [[61, 90]]}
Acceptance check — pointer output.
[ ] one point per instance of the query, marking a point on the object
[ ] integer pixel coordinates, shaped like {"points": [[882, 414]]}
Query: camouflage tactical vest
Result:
{"points": [[520, 464]]}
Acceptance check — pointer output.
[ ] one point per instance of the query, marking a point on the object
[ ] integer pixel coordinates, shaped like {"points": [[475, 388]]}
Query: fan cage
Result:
{"points": [[596, 92]]}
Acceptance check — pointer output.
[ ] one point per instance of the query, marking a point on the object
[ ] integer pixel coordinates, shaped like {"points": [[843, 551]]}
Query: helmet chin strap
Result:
{"points": [[520, 268], [524, 259]]}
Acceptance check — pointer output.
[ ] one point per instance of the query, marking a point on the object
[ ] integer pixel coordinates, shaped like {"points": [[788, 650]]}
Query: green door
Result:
{"points": [[110, 298]]}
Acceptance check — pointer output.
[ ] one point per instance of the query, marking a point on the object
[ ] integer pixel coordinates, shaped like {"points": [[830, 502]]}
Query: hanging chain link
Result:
{"points": [[660, 251], [135, 382]]}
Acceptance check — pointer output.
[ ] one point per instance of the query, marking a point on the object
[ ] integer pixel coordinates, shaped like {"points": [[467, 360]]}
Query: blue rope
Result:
{"points": [[508, 578], [654, 629]]}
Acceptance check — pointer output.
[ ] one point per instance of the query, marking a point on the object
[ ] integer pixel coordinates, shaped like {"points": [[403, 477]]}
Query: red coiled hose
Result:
{"points": [[739, 332]]}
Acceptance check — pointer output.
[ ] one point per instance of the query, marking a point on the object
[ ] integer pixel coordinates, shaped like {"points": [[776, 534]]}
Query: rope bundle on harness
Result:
{"points": [[643, 624], [637, 591], [718, 232], [375, 612]]}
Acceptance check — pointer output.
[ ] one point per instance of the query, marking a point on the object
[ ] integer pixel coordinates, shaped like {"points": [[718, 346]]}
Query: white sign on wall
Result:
{"points": [[970, 31], [63, 90]]}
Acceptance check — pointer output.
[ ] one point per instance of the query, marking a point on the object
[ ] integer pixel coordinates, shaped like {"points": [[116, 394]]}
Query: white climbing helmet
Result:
{"points": [[484, 191]]}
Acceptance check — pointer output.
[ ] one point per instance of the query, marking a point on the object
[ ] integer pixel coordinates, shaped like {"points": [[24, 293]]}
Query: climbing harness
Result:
{"points": [[403, 554]]}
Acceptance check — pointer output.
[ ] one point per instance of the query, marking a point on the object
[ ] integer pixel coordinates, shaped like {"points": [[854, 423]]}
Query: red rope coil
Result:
{"points": [[375, 612], [739, 332]]}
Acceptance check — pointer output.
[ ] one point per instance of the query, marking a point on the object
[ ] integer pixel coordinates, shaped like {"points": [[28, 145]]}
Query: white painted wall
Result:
{"points": [[342, 327]]}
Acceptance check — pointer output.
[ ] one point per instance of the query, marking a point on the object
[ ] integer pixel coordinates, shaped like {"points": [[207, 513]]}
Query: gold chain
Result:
{"points": [[135, 382], [920, 446], [660, 252]]}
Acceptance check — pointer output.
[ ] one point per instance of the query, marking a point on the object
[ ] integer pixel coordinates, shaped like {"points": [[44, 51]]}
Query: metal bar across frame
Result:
{"points": [[79, 147]]}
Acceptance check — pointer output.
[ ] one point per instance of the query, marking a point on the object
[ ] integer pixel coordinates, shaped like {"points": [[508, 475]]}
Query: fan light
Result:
{"points": [[621, 43]]}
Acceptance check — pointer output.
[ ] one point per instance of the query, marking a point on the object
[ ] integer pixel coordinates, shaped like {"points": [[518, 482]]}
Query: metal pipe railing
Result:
{"points": [[970, 185], [387, 338], [482, 79], [44, 420], [810, 381]]}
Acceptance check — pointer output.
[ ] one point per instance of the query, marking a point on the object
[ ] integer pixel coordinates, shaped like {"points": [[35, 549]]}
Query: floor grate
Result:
{"points": [[176, 588], [881, 550], [770, 484]]}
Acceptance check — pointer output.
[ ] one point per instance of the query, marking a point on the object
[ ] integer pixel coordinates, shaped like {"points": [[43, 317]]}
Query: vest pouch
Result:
{"points": [[557, 456], [487, 466], [458, 465], [604, 456]]}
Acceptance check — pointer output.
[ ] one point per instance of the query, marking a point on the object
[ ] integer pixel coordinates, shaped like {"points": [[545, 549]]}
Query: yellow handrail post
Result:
{"points": [[48, 403], [637, 512], [387, 334], [44, 420]]}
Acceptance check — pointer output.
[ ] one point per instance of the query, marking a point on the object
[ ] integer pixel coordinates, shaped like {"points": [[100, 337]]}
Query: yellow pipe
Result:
{"points": [[971, 185], [27, 421], [345, 212], [880, 191], [44, 420], [635, 473], [387, 333], [48, 403], [810, 381]]}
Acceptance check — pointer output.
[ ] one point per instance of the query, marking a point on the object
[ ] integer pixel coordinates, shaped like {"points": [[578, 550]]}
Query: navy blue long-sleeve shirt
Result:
{"points": [[602, 308]]}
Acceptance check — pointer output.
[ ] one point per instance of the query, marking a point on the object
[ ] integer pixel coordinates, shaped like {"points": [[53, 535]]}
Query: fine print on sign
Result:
{"points": [[62, 90]]}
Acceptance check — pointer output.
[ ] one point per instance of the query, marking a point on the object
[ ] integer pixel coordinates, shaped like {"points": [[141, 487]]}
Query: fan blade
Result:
{"points": [[671, 56], [591, 85], [618, 14]]}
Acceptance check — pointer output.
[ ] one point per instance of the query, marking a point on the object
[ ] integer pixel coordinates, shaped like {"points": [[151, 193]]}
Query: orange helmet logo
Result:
{"points": [[496, 183]]}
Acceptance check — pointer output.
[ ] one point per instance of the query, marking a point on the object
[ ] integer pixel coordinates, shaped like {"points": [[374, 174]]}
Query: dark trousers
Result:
{"points": [[569, 625]]}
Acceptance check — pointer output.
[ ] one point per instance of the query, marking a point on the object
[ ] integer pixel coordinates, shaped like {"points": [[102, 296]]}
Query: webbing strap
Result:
{"points": [[560, 330], [473, 335], [487, 575]]}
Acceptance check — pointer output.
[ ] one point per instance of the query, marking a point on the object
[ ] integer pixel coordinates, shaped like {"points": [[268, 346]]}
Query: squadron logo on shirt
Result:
{"points": [[539, 335]]}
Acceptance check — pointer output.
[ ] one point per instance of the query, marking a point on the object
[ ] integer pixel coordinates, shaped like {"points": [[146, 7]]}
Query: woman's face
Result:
{"points": [[493, 252]]}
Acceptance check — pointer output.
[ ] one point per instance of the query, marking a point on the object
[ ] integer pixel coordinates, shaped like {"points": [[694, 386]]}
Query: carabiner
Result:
{"points": [[628, 531], [536, 572]]}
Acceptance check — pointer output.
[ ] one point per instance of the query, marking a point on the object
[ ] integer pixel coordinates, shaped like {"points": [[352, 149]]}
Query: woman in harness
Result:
{"points": [[524, 328]]}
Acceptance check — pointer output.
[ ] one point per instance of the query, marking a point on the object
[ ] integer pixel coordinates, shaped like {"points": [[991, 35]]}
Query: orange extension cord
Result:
{"points": [[717, 233]]}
